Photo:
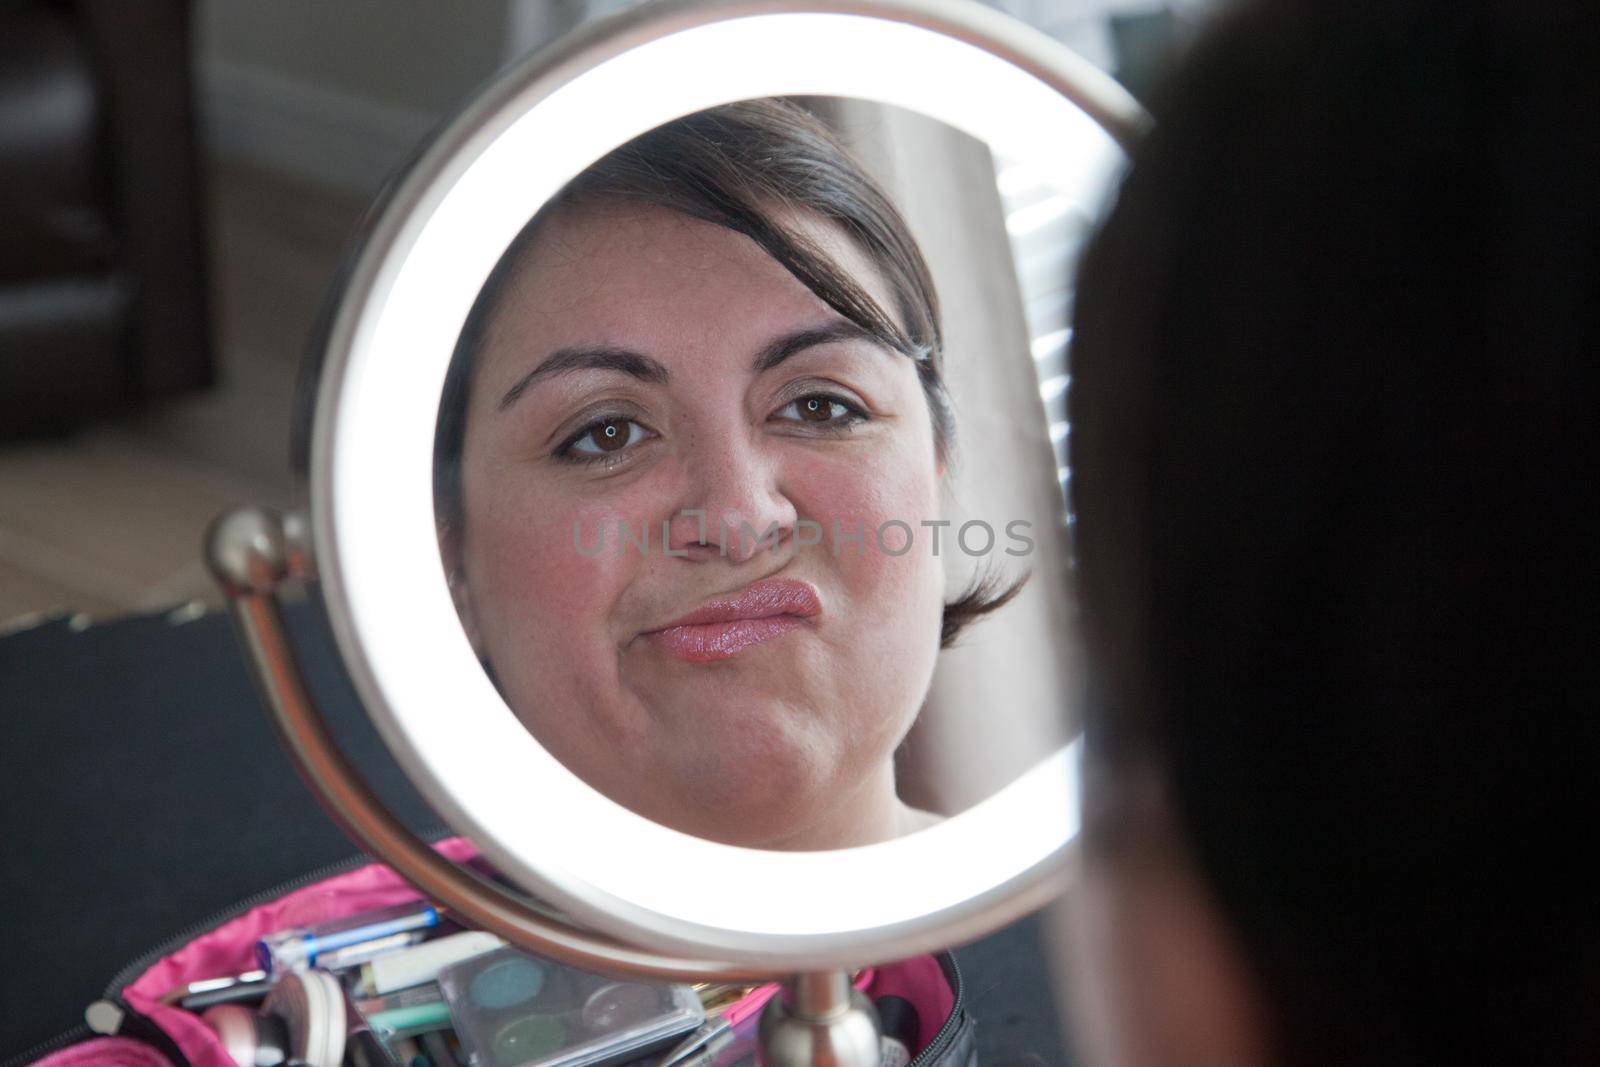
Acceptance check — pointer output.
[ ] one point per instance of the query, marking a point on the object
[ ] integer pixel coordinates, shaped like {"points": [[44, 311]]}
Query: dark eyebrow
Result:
{"points": [[598, 357], [642, 367], [782, 348]]}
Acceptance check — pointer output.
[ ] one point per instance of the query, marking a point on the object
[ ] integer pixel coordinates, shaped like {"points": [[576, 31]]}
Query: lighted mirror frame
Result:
{"points": [[441, 232]]}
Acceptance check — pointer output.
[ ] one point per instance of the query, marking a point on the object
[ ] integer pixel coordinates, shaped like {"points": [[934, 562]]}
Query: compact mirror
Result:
{"points": [[688, 474]]}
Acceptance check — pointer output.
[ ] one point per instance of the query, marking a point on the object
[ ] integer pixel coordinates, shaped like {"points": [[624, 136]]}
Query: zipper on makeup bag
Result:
{"points": [[952, 1022]]}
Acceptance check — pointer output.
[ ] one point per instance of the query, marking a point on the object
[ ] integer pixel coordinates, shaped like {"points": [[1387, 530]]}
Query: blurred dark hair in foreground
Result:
{"points": [[1333, 434]]}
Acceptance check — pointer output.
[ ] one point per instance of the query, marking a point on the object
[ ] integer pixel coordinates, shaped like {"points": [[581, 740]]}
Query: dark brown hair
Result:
{"points": [[1333, 424], [733, 166]]}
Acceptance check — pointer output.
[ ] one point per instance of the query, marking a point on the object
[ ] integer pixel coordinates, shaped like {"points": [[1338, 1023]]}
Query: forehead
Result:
{"points": [[643, 276]]}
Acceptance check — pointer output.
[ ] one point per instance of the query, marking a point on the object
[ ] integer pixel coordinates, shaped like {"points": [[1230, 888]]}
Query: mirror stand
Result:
{"points": [[820, 1020], [252, 553]]}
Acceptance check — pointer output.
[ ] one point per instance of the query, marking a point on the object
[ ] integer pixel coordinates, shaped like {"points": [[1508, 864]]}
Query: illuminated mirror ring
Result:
{"points": [[441, 232]]}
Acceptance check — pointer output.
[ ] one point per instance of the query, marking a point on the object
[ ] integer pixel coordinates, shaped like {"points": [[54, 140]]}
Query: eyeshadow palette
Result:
{"points": [[511, 1009]]}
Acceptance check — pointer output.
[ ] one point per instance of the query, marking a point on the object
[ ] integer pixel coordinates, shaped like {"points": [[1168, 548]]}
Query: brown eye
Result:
{"points": [[816, 409], [603, 439], [823, 411], [610, 435]]}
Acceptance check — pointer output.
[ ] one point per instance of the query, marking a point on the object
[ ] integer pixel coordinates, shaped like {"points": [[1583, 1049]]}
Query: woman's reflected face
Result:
{"points": [[644, 368]]}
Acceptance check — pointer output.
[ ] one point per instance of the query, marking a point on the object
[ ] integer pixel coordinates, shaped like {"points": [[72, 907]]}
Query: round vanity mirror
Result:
{"points": [[688, 477]]}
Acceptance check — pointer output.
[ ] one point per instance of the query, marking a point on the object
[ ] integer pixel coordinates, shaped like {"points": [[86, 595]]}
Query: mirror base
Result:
{"points": [[820, 1020]]}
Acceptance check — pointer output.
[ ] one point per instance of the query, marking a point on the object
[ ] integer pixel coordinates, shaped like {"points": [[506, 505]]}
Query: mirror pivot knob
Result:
{"points": [[247, 551]]}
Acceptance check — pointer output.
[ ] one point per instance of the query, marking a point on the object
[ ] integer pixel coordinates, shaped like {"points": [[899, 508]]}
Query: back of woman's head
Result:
{"points": [[1333, 420]]}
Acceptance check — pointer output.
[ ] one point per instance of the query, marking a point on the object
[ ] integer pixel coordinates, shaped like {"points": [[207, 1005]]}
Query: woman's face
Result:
{"points": [[644, 365]]}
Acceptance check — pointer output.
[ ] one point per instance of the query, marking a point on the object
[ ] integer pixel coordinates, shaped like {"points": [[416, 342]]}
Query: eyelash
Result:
{"points": [[853, 413], [567, 450]]}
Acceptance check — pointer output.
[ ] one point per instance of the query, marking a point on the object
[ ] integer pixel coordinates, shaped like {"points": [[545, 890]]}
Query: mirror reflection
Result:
{"points": [[745, 483]]}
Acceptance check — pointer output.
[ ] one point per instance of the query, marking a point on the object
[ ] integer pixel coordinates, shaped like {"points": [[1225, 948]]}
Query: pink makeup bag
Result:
{"points": [[136, 1029]]}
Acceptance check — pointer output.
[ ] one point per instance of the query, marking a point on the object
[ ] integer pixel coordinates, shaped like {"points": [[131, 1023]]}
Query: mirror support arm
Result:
{"points": [[252, 551], [819, 1020]]}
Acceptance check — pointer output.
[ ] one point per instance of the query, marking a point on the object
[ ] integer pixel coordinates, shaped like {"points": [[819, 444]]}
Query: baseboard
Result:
{"points": [[324, 135]]}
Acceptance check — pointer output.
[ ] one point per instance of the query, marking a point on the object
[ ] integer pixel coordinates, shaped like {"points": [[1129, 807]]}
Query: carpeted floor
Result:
{"points": [[110, 521]]}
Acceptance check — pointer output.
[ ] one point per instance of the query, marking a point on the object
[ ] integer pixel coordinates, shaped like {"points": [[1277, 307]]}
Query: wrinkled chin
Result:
{"points": [[763, 777]]}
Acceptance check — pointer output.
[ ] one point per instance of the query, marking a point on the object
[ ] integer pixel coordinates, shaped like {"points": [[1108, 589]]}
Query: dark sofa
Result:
{"points": [[102, 293]]}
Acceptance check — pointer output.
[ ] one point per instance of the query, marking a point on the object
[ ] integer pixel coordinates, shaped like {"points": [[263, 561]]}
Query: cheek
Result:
{"points": [[888, 638], [885, 502], [1158, 977], [528, 573]]}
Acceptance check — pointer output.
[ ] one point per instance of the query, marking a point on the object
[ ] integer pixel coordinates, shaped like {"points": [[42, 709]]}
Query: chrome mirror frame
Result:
{"points": [[255, 553]]}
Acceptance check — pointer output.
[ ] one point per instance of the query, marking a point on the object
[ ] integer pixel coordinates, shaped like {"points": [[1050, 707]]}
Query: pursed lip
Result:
{"points": [[759, 600], [728, 625]]}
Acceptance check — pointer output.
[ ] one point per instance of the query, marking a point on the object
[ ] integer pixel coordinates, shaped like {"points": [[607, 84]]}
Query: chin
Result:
{"points": [[757, 803]]}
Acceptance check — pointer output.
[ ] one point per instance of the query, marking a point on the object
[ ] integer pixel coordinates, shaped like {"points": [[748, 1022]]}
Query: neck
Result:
{"points": [[866, 816]]}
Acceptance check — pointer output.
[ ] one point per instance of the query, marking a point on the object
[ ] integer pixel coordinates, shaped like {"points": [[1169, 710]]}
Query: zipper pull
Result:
{"points": [[104, 1017]]}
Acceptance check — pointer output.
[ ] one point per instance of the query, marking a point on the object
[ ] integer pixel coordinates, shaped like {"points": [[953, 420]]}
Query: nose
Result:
{"points": [[734, 508]]}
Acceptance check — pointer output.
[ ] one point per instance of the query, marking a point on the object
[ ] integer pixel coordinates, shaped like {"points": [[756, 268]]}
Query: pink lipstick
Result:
{"points": [[728, 625]]}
